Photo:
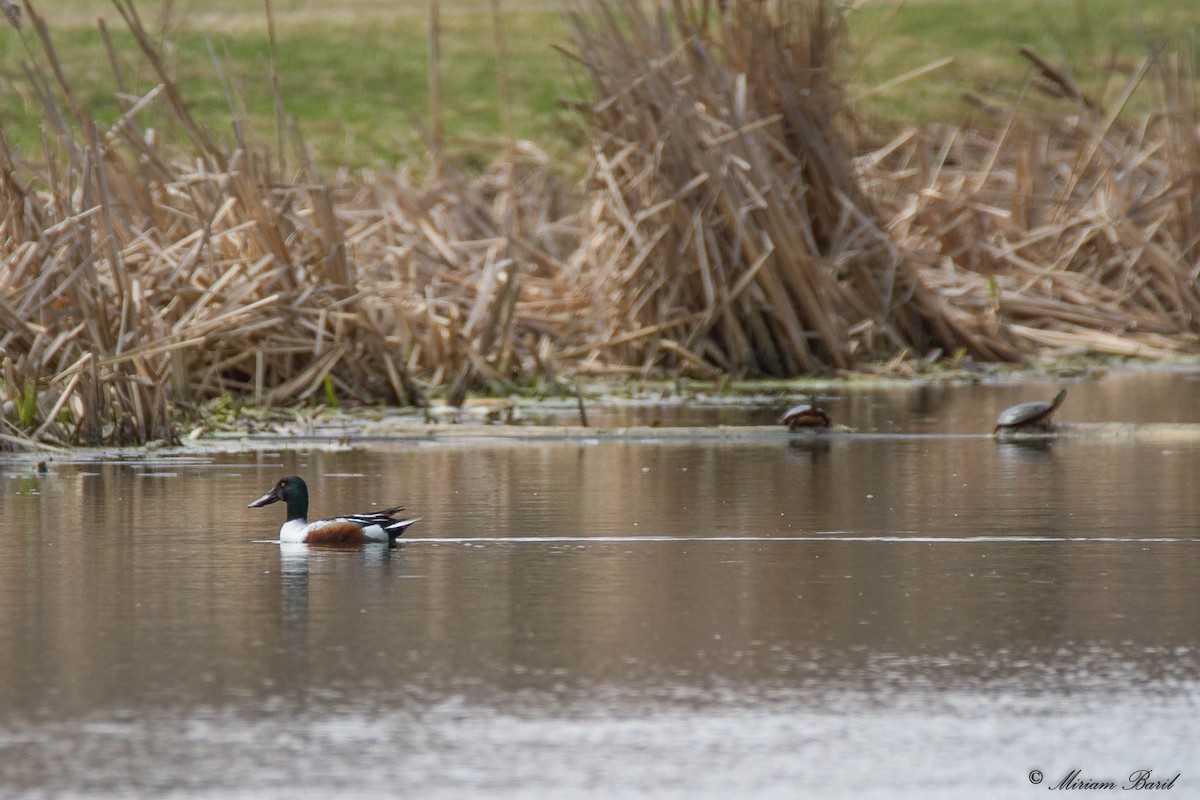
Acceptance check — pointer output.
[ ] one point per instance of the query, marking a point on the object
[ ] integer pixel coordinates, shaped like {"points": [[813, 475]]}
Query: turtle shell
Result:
{"points": [[805, 416]]}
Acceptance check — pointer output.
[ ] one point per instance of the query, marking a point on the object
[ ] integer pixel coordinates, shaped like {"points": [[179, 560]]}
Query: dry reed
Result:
{"points": [[1067, 235], [730, 223], [727, 221]]}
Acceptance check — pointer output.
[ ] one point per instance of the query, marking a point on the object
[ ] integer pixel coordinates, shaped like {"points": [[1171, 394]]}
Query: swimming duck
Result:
{"points": [[379, 526]]}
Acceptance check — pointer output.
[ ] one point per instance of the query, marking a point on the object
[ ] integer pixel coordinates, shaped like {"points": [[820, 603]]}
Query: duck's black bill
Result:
{"points": [[266, 500]]}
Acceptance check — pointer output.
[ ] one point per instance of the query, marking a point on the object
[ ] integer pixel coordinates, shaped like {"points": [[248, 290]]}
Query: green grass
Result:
{"points": [[355, 77], [358, 87], [1092, 37]]}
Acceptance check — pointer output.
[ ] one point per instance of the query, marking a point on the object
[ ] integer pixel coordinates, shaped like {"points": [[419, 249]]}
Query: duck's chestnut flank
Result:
{"points": [[333, 531]]}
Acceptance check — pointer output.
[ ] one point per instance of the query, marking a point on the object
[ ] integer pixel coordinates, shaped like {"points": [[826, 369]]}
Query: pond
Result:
{"points": [[915, 610]]}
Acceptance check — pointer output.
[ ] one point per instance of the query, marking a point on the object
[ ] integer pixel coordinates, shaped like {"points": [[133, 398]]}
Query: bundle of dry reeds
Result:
{"points": [[729, 224], [728, 227], [736, 228], [130, 281], [1079, 233]]}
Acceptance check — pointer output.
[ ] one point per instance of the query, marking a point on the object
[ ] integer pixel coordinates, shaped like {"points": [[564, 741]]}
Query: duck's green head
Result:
{"points": [[292, 491]]}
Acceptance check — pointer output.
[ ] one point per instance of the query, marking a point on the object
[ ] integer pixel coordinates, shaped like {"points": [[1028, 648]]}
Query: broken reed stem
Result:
{"points": [[280, 118], [494, 336], [436, 131], [503, 84]]}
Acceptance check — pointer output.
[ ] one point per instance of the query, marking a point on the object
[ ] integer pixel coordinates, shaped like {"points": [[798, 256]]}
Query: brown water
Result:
{"points": [[877, 616]]}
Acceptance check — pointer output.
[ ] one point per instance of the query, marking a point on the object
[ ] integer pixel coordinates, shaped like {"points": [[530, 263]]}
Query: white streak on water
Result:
{"points": [[834, 537]]}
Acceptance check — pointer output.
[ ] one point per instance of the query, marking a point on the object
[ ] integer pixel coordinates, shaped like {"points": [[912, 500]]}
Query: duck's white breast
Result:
{"points": [[294, 530]]}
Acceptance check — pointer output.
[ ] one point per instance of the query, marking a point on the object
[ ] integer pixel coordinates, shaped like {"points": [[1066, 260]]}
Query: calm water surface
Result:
{"points": [[863, 617]]}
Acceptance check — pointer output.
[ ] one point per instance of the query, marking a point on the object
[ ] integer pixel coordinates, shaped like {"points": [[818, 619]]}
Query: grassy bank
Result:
{"points": [[355, 76], [745, 208], [1099, 42]]}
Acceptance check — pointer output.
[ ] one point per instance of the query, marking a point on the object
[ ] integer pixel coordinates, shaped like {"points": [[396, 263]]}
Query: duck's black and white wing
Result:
{"points": [[381, 525]]}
